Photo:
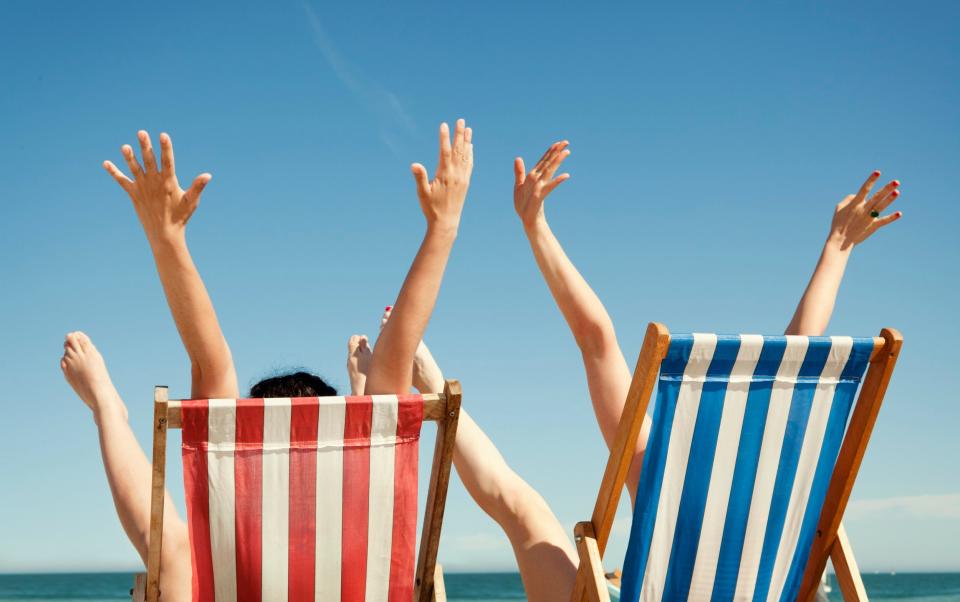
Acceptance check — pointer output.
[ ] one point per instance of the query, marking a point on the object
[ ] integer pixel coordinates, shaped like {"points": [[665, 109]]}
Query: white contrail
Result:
{"points": [[380, 102]]}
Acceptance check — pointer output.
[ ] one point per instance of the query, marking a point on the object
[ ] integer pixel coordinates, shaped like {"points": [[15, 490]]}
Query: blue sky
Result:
{"points": [[710, 144]]}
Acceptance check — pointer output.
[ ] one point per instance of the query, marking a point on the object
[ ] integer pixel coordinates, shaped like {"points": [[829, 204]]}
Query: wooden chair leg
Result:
{"points": [[437, 494], [439, 588], [157, 493], [845, 566], [590, 562], [139, 591], [655, 345], [850, 458]]}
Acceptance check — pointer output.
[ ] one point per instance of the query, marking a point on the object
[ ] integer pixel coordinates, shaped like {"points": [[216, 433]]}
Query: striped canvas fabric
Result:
{"points": [[302, 499], [746, 432]]}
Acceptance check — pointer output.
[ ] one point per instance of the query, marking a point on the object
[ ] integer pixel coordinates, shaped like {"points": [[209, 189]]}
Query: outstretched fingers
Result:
{"points": [[468, 144], [124, 182], [883, 221], [538, 166], [421, 178], [867, 186], [166, 155], [558, 157], [882, 199], [146, 151], [459, 145], [445, 149], [127, 151], [519, 172], [543, 166], [192, 195], [555, 182]]}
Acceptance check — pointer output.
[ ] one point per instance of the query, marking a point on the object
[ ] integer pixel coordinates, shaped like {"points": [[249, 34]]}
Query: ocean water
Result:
{"points": [[475, 587]]}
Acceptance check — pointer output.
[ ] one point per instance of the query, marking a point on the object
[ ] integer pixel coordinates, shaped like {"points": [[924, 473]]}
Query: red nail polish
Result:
{"points": [[896, 193], [876, 173], [388, 308], [896, 182]]}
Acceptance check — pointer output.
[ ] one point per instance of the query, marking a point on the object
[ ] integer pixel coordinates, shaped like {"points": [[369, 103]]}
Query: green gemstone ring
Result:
{"points": [[874, 214]]}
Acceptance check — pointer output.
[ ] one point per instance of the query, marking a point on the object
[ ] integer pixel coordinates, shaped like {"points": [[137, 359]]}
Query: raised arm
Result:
{"points": [[442, 203], [855, 219], [164, 209], [608, 375]]}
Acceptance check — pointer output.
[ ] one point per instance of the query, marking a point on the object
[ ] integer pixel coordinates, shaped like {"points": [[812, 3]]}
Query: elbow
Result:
{"points": [[595, 338], [213, 380]]}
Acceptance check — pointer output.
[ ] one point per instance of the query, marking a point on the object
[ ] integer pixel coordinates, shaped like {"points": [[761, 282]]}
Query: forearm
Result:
{"points": [[395, 349], [212, 365], [816, 306], [581, 308]]}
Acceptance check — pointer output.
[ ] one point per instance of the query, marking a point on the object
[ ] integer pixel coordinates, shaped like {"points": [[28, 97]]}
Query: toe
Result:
{"points": [[73, 342], [353, 343], [84, 341]]}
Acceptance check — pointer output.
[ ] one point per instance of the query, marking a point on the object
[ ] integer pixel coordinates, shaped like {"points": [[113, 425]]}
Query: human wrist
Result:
{"points": [[170, 250], [837, 246], [168, 241], [443, 228], [536, 224]]}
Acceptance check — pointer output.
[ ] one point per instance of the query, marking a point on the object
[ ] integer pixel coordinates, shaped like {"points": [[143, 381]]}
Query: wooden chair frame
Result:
{"points": [[444, 409], [830, 541]]}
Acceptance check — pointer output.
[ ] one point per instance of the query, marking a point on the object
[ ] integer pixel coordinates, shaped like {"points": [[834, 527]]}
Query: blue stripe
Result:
{"points": [[813, 363], [654, 461], [745, 469], [836, 426], [693, 500]]}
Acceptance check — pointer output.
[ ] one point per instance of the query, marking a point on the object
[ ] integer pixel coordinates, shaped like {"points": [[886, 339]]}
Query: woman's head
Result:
{"points": [[293, 384]]}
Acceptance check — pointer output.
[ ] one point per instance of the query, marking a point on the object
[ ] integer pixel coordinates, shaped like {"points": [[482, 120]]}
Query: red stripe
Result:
{"points": [[356, 498], [304, 416], [195, 483], [248, 477], [404, 542]]}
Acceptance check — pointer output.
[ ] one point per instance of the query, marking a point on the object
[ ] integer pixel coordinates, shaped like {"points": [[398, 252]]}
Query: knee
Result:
{"points": [[519, 507]]}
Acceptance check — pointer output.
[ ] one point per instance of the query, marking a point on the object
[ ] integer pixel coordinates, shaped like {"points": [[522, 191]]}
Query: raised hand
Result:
{"points": [[530, 189], [857, 217], [441, 199], [164, 210], [161, 204]]}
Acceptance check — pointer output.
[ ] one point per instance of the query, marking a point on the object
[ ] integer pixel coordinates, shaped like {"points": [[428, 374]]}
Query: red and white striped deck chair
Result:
{"points": [[306, 498]]}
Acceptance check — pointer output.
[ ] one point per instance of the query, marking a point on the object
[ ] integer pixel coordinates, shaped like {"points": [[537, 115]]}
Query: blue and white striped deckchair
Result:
{"points": [[748, 468]]}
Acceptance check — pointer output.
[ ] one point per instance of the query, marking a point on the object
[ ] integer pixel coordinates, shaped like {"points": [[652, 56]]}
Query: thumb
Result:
{"points": [[519, 172], [192, 195], [421, 178]]}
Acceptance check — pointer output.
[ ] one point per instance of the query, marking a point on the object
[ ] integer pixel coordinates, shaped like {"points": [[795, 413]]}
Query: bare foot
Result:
{"points": [[427, 377], [359, 356], [85, 370]]}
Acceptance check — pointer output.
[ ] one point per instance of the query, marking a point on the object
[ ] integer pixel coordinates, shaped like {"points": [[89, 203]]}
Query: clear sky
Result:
{"points": [[710, 144]]}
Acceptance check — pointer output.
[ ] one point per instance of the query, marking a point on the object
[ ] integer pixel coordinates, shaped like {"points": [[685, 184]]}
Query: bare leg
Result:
{"points": [[545, 555], [128, 470]]}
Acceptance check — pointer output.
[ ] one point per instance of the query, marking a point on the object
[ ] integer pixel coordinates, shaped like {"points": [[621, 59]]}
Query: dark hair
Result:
{"points": [[292, 384]]}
